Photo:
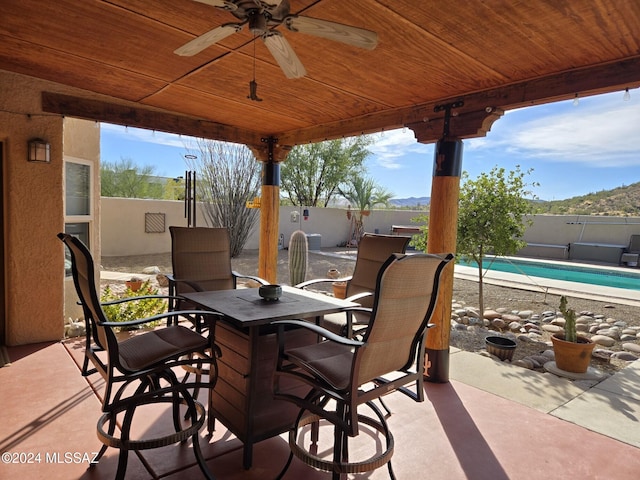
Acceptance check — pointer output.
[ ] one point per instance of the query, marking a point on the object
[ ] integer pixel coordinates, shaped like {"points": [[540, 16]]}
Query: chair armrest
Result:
{"points": [[358, 309], [358, 296], [251, 277], [321, 280], [160, 316], [320, 331]]}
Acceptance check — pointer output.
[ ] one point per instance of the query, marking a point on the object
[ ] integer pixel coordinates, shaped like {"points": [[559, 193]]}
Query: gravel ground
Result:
{"points": [[465, 293]]}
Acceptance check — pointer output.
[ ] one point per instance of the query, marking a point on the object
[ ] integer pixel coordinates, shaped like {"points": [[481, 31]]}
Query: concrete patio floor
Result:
{"points": [[491, 421]]}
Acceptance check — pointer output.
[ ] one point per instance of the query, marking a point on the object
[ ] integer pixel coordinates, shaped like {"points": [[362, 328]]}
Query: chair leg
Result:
{"points": [[103, 449], [292, 433], [176, 412], [340, 446], [123, 458], [387, 433], [211, 419], [195, 439], [315, 436], [384, 405]]}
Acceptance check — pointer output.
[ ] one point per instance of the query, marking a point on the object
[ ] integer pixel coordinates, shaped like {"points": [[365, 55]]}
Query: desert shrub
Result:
{"points": [[135, 309]]}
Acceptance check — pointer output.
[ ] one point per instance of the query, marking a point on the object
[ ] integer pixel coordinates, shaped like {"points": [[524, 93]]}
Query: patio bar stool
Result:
{"points": [[140, 371], [344, 373]]}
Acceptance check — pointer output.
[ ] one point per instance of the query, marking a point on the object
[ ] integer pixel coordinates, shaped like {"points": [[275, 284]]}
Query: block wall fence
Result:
{"points": [[137, 227]]}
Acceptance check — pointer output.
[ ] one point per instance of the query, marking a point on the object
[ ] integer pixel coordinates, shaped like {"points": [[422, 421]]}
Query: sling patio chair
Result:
{"points": [[139, 370], [201, 261], [344, 373], [373, 251]]}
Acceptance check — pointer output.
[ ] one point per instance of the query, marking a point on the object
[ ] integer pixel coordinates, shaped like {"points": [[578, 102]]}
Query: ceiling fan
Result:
{"points": [[263, 16]]}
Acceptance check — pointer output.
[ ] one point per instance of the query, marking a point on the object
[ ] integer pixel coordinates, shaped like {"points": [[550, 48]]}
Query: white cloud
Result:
{"points": [[392, 147], [599, 132]]}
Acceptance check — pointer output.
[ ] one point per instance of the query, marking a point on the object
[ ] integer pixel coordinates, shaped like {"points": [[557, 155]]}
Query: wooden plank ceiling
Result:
{"points": [[118, 57]]}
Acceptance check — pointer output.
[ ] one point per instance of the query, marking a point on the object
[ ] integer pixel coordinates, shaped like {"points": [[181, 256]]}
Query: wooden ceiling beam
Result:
{"points": [[144, 117], [586, 81]]}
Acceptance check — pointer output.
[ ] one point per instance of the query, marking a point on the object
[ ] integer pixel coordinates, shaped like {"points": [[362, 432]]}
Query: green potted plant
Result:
{"points": [[572, 351]]}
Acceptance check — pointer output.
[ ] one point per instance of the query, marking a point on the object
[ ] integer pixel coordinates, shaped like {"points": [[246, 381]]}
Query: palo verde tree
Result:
{"points": [[492, 216], [312, 173], [128, 180], [228, 175]]}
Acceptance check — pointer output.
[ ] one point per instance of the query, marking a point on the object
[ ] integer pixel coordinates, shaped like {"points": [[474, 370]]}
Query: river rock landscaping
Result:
{"points": [[528, 317]]}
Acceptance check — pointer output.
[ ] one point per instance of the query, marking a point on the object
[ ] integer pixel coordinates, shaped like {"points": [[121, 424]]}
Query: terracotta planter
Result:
{"points": [[572, 357], [339, 289], [134, 285]]}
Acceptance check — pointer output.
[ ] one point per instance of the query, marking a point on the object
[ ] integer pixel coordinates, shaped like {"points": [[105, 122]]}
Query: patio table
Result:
{"points": [[242, 399]]}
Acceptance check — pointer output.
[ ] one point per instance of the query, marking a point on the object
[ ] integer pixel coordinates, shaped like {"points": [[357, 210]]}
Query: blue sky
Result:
{"points": [[573, 150]]}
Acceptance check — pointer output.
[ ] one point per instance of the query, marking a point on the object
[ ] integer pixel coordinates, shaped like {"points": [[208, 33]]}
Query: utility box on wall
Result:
{"points": [[314, 240]]}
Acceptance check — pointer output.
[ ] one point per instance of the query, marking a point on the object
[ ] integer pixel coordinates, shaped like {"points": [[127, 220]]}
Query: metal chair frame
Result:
{"points": [[324, 366], [145, 361]]}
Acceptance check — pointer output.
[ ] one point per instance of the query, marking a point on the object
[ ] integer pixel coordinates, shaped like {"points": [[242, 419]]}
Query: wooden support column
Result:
{"points": [[443, 212], [269, 215], [443, 222]]}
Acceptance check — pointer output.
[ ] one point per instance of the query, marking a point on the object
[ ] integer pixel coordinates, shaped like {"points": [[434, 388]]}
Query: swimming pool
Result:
{"points": [[594, 275]]}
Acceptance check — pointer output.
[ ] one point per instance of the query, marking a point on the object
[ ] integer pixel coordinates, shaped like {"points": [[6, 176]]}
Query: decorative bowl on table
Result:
{"points": [[270, 292]]}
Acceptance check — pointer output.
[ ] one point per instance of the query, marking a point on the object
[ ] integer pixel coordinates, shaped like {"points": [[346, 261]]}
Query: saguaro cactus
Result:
{"points": [[298, 255]]}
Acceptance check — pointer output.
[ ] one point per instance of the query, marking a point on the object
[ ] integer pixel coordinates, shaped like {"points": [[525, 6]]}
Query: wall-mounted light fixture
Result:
{"points": [[39, 151], [305, 213]]}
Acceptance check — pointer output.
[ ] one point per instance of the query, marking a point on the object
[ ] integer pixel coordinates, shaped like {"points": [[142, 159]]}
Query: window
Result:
{"points": [[78, 189], [78, 204]]}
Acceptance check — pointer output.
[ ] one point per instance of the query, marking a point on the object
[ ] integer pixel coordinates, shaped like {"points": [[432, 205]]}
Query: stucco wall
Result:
{"points": [[563, 229], [33, 203], [123, 228], [33, 207], [123, 225]]}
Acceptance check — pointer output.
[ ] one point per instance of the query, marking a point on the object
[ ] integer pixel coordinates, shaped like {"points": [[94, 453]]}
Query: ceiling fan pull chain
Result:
{"points": [[253, 85], [253, 91]]}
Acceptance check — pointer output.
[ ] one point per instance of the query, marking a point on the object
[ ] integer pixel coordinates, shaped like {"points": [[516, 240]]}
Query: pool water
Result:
{"points": [[559, 271]]}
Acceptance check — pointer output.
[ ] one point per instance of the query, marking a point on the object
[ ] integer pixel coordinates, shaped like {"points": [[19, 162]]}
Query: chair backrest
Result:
{"points": [[373, 251], [83, 272], [406, 292], [634, 243], [201, 255]]}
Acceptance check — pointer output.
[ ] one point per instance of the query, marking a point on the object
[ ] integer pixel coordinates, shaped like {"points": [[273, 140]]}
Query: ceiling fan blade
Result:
{"points": [[207, 39], [284, 55], [214, 3], [358, 37]]}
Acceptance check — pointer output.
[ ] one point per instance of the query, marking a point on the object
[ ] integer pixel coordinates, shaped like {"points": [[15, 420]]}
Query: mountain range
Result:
{"points": [[410, 202], [620, 201]]}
